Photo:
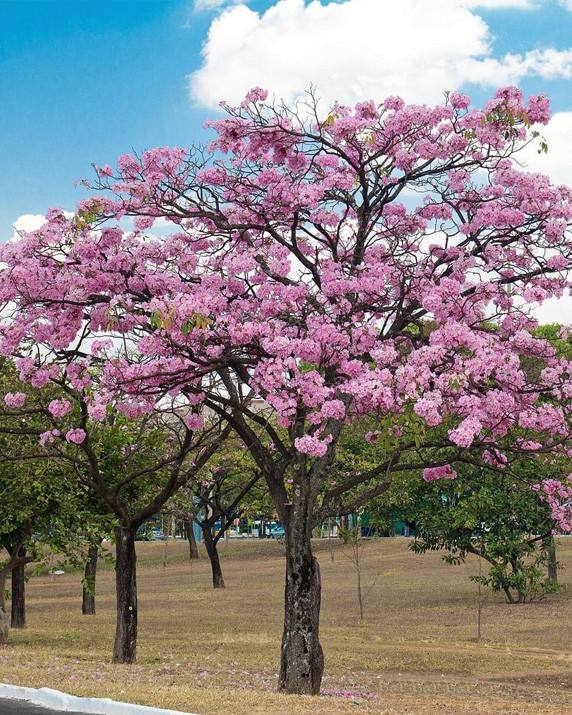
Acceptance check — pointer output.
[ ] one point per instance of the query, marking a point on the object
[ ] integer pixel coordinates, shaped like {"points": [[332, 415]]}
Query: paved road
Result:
{"points": [[19, 707]]}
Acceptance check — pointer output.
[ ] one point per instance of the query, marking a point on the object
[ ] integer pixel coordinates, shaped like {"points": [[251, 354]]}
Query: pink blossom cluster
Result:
{"points": [[59, 408], [97, 410], [444, 471], [77, 436], [194, 421], [465, 433], [312, 445], [14, 400], [48, 437], [558, 496]]}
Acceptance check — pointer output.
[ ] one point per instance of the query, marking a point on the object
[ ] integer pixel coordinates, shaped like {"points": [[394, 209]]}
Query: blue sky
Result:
{"points": [[83, 81]]}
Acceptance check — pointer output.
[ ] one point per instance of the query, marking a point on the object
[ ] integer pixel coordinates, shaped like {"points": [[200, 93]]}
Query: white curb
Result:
{"points": [[48, 698]]}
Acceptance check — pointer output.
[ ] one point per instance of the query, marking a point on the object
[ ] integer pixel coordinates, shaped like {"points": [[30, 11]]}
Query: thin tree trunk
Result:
{"points": [[359, 591], [212, 551], [18, 615], [479, 602], [191, 538], [4, 620], [3, 575], [551, 560], [508, 594], [515, 567], [301, 656], [165, 550], [330, 541], [124, 649], [90, 572]]}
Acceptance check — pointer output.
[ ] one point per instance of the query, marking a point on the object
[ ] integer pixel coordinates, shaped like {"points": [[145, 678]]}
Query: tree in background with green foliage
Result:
{"points": [[130, 465], [229, 488], [496, 519], [491, 513], [42, 512], [42, 502]]}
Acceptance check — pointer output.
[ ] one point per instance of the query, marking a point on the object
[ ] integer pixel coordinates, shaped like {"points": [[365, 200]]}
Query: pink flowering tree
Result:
{"points": [[378, 260], [132, 455]]}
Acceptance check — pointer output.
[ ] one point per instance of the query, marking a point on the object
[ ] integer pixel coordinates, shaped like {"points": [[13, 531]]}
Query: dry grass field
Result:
{"points": [[214, 652]]}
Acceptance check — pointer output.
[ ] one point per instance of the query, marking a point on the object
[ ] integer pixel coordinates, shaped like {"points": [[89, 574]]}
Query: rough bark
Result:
{"points": [[4, 620], [190, 533], [301, 656], [18, 610], [552, 563], [89, 576], [212, 551], [124, 649], [3, 574]]}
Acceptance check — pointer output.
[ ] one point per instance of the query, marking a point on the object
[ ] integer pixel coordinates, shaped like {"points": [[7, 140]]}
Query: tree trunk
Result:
{"points": [[4, 620], [359, 591], [3, 575], [90, 572], [212, 551], [330, 542], [301, 656], [124, 649], [18, 616], [508, 594], [190, 532], [551, 560]]}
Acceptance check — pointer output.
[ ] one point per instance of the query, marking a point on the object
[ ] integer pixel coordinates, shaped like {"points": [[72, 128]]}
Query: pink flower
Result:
{"points": [[558, 496], [429, 409], [459, 101], [256, 94], [49, 437], [97, 411], [465, 433], [142, 223], [445, 471], [14, 399], [333, 409], [77, 436], [312, 445], [194, 421], [59, 408], [539, 109]]}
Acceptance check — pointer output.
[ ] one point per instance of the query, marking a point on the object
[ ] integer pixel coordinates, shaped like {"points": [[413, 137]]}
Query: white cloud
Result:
{"points": [[555, 164], [510, 69], [201, 5], [28, 222], [359, 49], [502, 4], [556, 161], [555, 310], [31, 222]]}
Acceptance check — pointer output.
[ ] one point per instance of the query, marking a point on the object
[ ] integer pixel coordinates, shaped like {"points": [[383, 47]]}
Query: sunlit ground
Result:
{"points": [[214, 652]]}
